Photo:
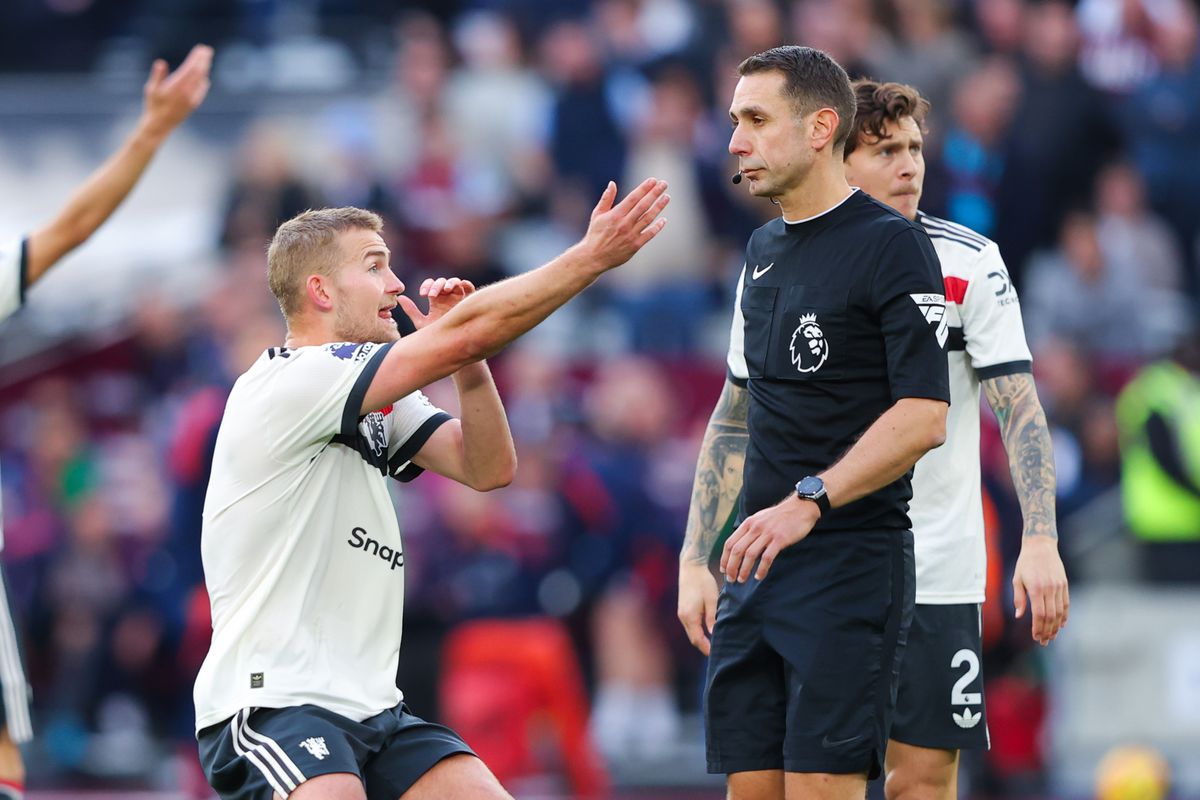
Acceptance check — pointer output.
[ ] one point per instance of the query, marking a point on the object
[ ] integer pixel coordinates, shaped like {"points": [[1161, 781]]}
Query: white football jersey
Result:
{"points": [[986, 340], [12, 293], [301, 546]]}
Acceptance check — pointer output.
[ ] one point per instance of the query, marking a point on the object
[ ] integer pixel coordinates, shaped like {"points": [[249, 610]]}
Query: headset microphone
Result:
{"points": [[737, 178]]}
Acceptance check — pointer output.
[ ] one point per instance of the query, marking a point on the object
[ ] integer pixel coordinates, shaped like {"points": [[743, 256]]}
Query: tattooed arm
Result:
{"points": [[714, 493], [1039, 571]]}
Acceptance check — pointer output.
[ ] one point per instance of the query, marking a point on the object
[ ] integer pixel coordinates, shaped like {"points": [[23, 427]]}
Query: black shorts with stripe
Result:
{"points": [[804, 664], [261, 752], [940, 703], [14, 688]]}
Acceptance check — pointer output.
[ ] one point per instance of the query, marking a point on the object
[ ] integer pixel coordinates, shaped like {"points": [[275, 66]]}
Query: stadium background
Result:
{"points": [[540, 618]]}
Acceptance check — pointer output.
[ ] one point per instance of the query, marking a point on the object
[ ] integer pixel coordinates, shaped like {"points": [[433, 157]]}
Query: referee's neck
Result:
{"points": [[823, 187]]}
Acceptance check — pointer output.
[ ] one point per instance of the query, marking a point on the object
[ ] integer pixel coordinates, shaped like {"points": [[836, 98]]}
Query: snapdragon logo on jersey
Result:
{"points": [[933, 308], [809, 346], [359, 540]]}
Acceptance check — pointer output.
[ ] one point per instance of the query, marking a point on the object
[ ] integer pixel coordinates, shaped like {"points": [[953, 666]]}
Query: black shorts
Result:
{"points": [[14, 688], [804, 665], [264, 751], [940, 703]]}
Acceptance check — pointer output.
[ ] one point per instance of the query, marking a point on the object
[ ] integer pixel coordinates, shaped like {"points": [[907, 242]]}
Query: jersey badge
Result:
{"points": [[350, 351], [374, 432], [967, 719], [316, 747], [933, 308], [809, 346]]}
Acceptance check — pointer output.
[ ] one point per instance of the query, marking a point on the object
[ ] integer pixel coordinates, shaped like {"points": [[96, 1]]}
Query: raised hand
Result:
{"points": [[169, 99], [615, 233], [443, 294]]}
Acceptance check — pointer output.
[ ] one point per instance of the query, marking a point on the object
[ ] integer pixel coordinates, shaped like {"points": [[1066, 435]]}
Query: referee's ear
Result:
{"points": [[823, 131]]}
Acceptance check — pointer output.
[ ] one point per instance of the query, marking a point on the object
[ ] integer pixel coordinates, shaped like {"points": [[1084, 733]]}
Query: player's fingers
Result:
{"points": [[695, 634], [425, 284], [1066, 595], [158, 71], [606, 200], [631, 200], [1037, 605], [651, 232], [766, 560], [653, 211], [1018, 597], [710, 611], [436, 289], [647, 202], [451, 286], [467, 287], [731, 558], [411, 311]]}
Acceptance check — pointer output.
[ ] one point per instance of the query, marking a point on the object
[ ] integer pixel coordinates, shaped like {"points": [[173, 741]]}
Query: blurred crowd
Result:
{"points": [[1066, 132]]}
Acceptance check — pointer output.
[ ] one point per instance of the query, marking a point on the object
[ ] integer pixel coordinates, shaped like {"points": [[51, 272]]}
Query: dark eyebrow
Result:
{"points": [[748, 111]]}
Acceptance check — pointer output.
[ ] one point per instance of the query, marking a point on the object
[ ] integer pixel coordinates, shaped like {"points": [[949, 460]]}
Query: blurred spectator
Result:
{"points": [[972, 150], [1000, 24], [1061, 134], [1162, 122], [592, 105], [1160, 463], [930, 53], [1079, 293], [1131, 234], [265, 192], [1118, 53]]}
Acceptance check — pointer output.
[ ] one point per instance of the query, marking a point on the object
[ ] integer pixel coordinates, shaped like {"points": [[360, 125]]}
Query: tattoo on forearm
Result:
{"points": [[1027, 442], [718, 473]]}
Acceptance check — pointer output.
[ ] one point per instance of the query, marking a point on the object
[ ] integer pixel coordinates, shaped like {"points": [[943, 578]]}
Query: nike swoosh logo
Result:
{"points": [[828, 743], [758, 273]]}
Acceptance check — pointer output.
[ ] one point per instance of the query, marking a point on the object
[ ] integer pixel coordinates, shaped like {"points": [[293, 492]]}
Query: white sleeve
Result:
{"points": [[412, 420], [736, 359], [991, 314], [318, 394], [12, 275]]}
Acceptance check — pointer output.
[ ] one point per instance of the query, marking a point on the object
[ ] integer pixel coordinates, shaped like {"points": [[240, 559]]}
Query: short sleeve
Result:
{"points": [[909, 298], [735, 360], [13, 274], [319, 392], [412, 420], [991, 316]]}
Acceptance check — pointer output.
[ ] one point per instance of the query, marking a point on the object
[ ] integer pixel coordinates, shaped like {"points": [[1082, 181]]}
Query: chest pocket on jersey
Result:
{"points": [[809, 334], [758, 308]]}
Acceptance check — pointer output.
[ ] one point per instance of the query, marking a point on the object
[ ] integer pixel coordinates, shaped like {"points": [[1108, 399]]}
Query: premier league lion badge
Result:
{"points": [[809, 346]]}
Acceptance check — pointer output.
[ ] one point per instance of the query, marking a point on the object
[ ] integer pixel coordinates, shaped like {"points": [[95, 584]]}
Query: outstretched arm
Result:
{"points": [[482, 324], [1039, 571], [169, 99], [477, 449], [714, 495]]}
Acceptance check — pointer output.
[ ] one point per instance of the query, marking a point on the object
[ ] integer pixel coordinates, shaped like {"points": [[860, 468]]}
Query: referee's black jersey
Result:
{"points": [[837, 317]]}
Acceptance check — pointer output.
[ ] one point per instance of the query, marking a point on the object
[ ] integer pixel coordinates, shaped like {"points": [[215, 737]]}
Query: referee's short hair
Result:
{"points": [[881, 103], [814, 81], [304, 245]]}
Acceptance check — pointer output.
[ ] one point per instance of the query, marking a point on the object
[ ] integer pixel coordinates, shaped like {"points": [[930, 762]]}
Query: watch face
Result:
{"points": [[810, 487]]}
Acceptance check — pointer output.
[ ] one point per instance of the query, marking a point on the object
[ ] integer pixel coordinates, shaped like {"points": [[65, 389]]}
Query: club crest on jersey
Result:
{"points": [[933, 308], [316, 747], [374, 433], [809, 346]]}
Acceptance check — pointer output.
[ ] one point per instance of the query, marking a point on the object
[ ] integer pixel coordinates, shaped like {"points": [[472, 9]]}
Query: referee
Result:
{"points": [[837, 385]]}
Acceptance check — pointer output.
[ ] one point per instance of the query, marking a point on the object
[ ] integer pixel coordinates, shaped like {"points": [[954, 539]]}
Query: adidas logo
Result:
{"points": [[967, 719]]}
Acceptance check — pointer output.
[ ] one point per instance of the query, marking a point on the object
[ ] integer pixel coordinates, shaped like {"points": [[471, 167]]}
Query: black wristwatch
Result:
{"points": [[813, 488]]}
